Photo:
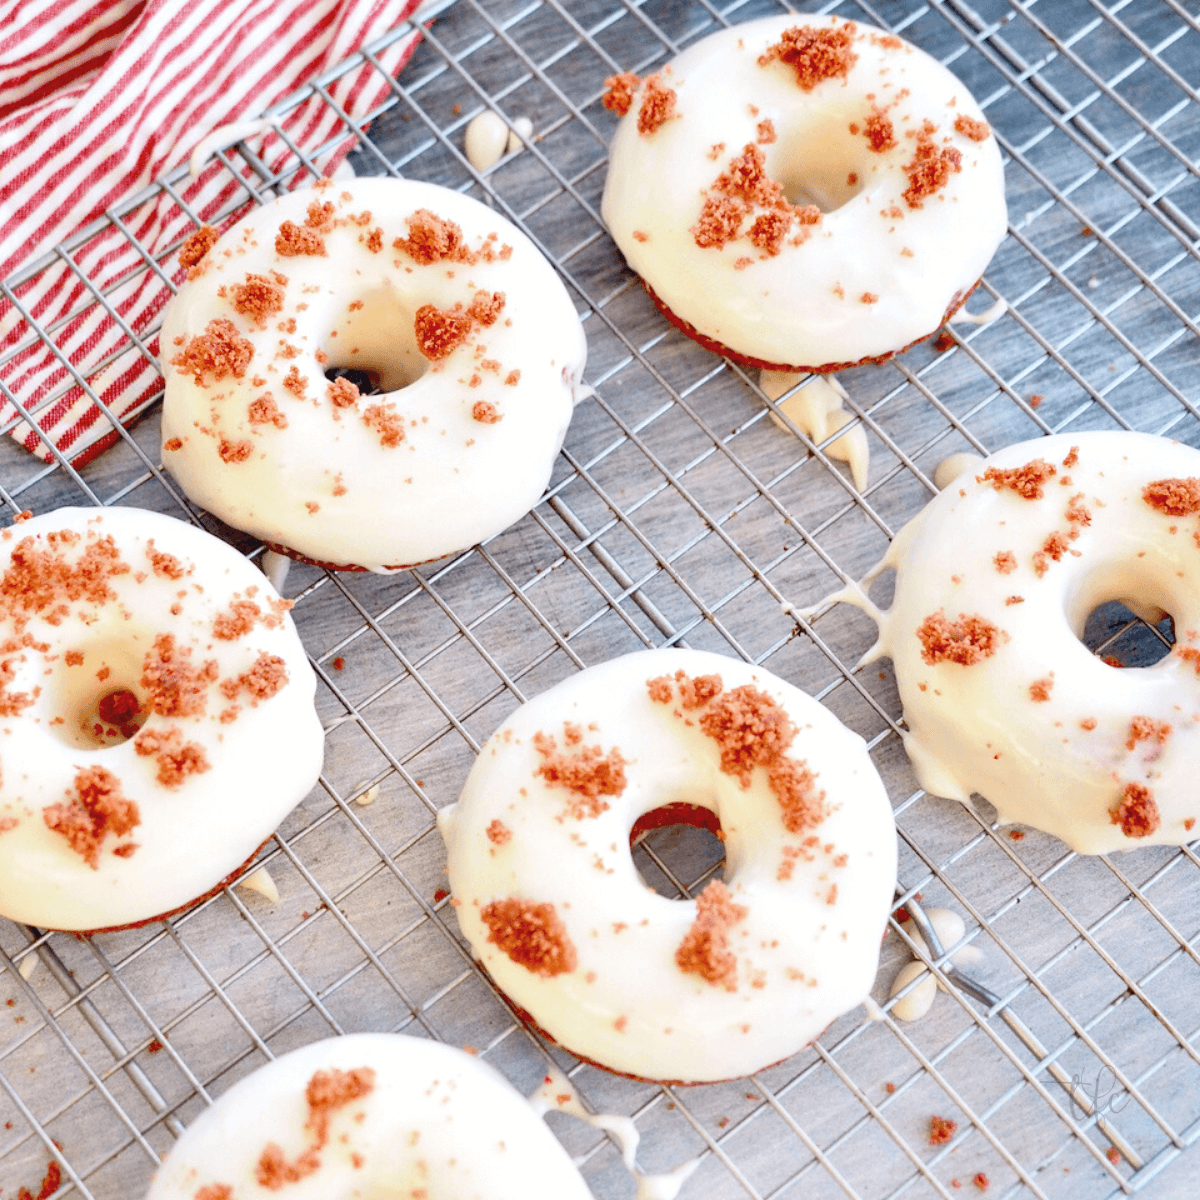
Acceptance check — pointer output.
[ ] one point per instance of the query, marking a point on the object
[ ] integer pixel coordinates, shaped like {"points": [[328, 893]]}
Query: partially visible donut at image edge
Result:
{"points": [[995, 580], [158, 717], [370, 1114]]}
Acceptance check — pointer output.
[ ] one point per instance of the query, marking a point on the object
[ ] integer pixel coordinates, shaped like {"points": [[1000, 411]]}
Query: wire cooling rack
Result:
{"points": [[679, 513]]}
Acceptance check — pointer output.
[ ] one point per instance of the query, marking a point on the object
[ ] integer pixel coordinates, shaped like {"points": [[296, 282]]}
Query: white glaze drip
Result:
{"points": [[817, 410], [556, 1093], [223, 137], [275, 567], [997, 309], [950, 468], [260, 881], [666, 1187]]}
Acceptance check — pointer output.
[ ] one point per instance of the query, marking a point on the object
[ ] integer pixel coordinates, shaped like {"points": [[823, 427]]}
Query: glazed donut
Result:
{"points": [[692, 990], [370, 1114], [995, 579], [157, 716], [420, 290], [803, 193]]}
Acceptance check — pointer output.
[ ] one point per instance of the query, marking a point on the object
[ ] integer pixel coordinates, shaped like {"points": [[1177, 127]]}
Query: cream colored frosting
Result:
{"points": [[435, 1123], [804, 307], [1063, 763], [331, 486], [192, 833], [815, 899]]}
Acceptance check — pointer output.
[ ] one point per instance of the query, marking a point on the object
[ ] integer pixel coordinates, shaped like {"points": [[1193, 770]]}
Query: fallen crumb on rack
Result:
{"points": [[941, 1130]]}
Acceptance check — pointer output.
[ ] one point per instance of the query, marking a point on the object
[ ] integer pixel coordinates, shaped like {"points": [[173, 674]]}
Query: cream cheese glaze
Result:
{"points": [[448, 307], [995, 579], [156, 716], [694, 990], [888, 145], [370, 1115]]}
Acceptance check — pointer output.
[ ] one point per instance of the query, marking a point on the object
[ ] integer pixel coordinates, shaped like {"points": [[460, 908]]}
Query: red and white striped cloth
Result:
{"points": [[98, 98]]}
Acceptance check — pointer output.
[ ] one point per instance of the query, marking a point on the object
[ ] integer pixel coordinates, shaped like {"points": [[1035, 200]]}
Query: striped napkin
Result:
{"points": [[99, 98]]}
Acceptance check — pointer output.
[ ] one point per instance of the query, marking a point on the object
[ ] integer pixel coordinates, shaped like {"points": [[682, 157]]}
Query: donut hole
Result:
{"points": [[821, 168], [99, 701], [375, 342], [1124, 638], [676, 845]]}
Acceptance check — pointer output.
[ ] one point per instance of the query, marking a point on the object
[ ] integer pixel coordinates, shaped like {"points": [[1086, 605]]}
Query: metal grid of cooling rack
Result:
{"points": [[680, 514]]}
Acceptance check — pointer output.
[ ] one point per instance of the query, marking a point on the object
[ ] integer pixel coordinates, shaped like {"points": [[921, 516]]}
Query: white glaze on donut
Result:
{"points": [[541, 869], [368, 274], [886, 260], [1001, 697], [120, 602], [416, 1119]]}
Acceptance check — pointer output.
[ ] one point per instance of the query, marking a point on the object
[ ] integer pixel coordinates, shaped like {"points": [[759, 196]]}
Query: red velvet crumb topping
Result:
{"points": [[235, 452], [750, 729], [704, 950], [1026, 481], [293, 240], [1137, 814], [618, 92], [587, 773], [164, 565], [319, 216], [264, 411], [977, 131], [498, 833], [386, 422], [657, 106], [343, 393], [1175, 497], [174, 686], [197, 244], [531, 934], [1147, 729], [257, 298], [242, 616], [96, 809], [432, 239], [814, 54], [217, 352], [1039, 690], [440, 331], [966, 641], [931, 168], [40, 580], [176, 758], [327, 1091], [738, 191], [878, 130]]}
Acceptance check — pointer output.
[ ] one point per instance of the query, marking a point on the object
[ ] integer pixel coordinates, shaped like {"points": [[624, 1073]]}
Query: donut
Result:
{"points": [[369, 1114], [456, 357], [803, 193], [692, 990], [995, 579], [156, 716]]}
